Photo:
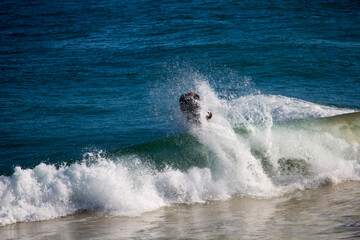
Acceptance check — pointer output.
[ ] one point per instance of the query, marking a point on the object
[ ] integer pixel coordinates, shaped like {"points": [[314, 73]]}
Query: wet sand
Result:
{"points": [[329, 212]]}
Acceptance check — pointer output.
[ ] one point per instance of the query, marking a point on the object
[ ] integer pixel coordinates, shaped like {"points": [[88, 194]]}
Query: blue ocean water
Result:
{"points": [[79, 78]]}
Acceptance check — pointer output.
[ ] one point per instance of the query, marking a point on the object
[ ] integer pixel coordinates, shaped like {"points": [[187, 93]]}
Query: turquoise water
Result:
{"points": [[89, 95]]}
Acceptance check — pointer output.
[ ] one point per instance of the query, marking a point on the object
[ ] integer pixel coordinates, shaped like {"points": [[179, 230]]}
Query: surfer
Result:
{"points": [[190, 105]]}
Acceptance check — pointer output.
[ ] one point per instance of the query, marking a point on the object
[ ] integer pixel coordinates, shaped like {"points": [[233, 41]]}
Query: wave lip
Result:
{"points": [[345, 126]]}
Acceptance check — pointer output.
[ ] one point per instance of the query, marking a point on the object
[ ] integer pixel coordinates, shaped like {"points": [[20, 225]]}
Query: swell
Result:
{"points": [[180, 152]]}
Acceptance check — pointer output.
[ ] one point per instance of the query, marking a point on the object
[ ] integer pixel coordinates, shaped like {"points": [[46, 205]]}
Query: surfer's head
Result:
{"points": [[194, 95]]}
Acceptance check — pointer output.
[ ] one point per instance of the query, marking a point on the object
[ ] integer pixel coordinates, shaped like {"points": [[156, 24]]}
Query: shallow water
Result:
{"points": [[328, 212]]}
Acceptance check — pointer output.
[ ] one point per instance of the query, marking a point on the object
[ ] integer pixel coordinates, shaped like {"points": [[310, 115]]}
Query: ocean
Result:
{"points": [[93, 144]]}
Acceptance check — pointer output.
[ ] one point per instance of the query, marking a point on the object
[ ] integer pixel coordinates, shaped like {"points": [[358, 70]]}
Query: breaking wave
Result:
{"points": [[258, 146]]}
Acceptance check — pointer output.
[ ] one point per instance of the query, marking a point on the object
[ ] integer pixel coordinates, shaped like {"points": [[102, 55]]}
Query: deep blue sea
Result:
{"points": [[89, 96]]}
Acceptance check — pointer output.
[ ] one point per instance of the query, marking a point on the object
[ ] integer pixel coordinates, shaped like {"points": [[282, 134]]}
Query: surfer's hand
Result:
{"points": [[208, 116]]}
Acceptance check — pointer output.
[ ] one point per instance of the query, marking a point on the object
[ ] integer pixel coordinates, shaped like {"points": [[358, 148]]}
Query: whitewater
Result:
{"points": [[255, 146]]}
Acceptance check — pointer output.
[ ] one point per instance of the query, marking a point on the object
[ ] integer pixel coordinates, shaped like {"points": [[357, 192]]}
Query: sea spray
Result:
{"points": [[235, 163]]}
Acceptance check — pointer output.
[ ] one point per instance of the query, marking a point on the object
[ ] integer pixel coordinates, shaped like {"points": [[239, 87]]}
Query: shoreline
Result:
{"points": [[331, 210]]}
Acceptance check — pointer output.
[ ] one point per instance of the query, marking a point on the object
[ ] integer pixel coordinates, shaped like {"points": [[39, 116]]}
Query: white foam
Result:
{"points": [[121, 189], [280, 108]]}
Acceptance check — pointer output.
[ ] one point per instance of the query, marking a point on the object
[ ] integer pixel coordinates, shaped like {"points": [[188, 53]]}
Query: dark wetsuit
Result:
{"points": [[190, 106]]}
